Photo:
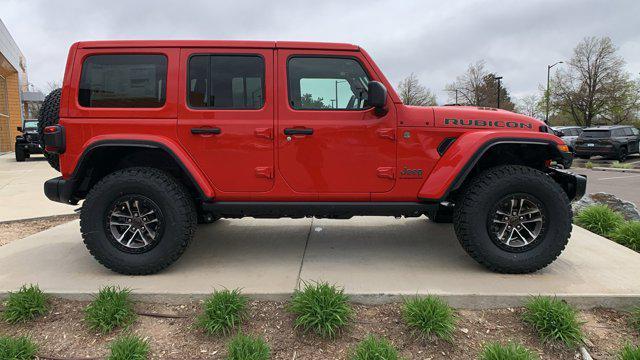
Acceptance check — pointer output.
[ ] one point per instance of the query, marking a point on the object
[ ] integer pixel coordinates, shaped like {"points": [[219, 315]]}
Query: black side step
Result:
{"points": [[335, 210]]}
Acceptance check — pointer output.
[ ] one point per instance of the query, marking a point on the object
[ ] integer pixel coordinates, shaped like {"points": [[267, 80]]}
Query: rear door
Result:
{"points": [[329, 140], [225, 117]]}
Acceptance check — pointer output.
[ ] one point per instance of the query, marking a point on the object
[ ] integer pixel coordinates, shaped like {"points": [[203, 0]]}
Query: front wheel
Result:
{"points": [[137, 221], [513, 219], [622, 154]]}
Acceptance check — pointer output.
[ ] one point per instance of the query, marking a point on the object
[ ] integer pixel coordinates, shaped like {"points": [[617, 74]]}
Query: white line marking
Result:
{"points": [[619, 177]]}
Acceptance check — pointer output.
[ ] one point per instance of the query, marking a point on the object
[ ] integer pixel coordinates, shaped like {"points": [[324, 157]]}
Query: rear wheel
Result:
{"points": [[20, 154], [622, 154], [513, 219], [138, 221]]}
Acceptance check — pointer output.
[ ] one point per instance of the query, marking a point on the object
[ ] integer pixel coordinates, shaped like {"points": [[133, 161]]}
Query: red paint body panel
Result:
{"points": [[353, 155]]}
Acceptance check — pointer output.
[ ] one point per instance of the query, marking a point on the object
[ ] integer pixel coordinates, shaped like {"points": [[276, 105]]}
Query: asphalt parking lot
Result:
{"points": [[624, 185]]}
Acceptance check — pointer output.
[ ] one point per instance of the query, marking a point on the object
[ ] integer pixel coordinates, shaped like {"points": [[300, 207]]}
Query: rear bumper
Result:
{"points": [[573, 184], [60, 190]]}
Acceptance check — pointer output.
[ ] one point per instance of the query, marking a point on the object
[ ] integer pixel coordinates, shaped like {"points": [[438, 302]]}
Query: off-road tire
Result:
{"points": [[483, 192], [50, 115], [172, 198], [20, 154]]}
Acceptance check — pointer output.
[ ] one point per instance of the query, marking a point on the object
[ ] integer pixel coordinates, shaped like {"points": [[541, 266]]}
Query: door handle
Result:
{"points": [[298, 131], [207, 130]]}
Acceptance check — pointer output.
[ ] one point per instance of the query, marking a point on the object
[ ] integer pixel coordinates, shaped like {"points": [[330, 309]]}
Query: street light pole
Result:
{"points": [[546, 116], [498, 78]]}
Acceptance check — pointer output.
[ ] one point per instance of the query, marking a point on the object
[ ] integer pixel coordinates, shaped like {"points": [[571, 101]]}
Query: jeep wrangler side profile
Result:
{"points": [[157, 136]]}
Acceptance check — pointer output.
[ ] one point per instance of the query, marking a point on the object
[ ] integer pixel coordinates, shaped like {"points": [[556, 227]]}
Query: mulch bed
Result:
{"points": [[62, 333], [18, 229]]}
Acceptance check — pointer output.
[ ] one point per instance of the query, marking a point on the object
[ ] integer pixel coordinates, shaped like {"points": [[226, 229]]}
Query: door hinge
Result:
{"points": [[387, 172], [387, 133], [264, 172], [266, 133]]}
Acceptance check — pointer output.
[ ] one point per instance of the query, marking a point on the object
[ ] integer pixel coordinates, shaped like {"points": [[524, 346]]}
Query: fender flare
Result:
{"points": [[194, 174], [441, 176]]}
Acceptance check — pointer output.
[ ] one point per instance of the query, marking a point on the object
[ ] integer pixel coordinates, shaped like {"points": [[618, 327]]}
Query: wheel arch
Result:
{"points": [[444, 181], [103, 157]]}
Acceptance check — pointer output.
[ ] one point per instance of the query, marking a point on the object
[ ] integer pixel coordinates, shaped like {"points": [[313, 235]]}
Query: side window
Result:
{"points": [[635, 131], [324, 83], [225, 82], [628, 132], [123, 81]]}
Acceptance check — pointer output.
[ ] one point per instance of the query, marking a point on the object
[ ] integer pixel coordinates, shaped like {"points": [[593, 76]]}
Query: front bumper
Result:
{"points": [[60, 190], [573, 184]]}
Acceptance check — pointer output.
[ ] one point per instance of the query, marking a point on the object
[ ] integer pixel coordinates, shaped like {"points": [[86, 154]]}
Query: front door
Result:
{"points": [[329, 140], [225, 118]]}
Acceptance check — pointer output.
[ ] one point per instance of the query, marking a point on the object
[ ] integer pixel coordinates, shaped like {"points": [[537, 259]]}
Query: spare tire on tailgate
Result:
{"points": [[49, 115]]}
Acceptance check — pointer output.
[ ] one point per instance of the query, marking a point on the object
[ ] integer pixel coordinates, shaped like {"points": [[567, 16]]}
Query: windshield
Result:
{"points": [[596, 134]]}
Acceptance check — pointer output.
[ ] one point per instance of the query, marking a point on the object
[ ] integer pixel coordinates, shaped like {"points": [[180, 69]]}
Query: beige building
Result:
{"points": [[13, 81]]}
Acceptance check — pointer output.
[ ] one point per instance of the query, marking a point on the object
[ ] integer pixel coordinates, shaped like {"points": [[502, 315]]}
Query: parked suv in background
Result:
{"points": [[615, 142], [157, 136], [29, 141]]}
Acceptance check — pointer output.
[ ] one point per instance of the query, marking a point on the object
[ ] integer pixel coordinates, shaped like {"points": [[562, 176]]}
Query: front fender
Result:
{"points": [[459, 159]]}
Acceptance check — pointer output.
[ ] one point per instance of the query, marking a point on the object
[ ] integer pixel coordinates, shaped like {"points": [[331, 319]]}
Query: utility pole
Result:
{"points": [[546, 116], [456, 96], [498, 78]]}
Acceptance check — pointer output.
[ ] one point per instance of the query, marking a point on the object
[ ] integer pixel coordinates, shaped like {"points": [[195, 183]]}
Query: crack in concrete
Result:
{"points": [[304, 253]]}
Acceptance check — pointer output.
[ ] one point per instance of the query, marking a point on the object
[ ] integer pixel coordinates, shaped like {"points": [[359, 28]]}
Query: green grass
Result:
{"points": [[554, 320], [21, 348], [588, 165], [321, 308], [247, 347], [374, 348], [629, 352], [25, 304], [635, 318], [430, 316], [618, 165], [510, 351], [599, 219], [222, 312], [627, 234], [111, 308], [129, 347]]}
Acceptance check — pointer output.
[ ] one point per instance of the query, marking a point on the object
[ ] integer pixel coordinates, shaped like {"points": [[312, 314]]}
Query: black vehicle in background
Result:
{"points": [[615, 142], [29, 142]]}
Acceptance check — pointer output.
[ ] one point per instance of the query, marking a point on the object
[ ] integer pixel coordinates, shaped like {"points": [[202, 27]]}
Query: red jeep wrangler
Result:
{"points": [[157, 136]]}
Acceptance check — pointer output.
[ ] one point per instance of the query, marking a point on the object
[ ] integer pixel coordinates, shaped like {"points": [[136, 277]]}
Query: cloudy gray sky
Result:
{"points": [[434, 39]]}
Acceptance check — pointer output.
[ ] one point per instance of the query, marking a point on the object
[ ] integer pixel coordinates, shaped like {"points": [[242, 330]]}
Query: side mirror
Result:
{"points": [[377, 96], [19, 128], [559, 133]]}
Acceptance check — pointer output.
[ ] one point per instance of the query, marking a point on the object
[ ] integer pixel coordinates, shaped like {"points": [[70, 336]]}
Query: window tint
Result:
{"points": [[323, 83], [628, 132], [226, 82], [123, 81], [596, 134]]}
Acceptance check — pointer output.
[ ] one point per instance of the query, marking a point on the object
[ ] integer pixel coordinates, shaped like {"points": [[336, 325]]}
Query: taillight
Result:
{"points": [[54, 141]]}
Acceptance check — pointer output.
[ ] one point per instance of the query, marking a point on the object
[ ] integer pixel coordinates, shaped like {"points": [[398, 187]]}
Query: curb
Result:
{"points": [[459, 301], [617, 170]]}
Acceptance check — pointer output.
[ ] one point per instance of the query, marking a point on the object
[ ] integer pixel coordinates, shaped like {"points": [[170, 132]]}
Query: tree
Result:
{"points": [[308, 102], [479, 87], [530, 105], [412, 93], [594, 86]]}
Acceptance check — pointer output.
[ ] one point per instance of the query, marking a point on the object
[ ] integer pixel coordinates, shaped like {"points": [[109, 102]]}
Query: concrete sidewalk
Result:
{"points": [[21, 189], [376, 259]]}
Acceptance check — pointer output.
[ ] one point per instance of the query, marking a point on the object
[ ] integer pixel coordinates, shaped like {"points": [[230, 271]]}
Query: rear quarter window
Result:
{"points": [[596, 134], [123, 81]]}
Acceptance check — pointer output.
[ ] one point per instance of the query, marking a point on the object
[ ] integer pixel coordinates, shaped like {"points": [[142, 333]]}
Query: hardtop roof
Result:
{"points": [[216, 44], [606, 127]]}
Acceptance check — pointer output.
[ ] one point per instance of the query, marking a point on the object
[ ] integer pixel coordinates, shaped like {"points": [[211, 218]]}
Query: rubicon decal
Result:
{"points": [[488, 123]]}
